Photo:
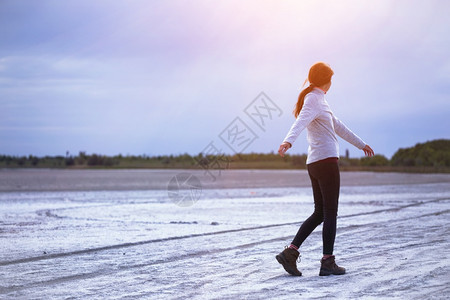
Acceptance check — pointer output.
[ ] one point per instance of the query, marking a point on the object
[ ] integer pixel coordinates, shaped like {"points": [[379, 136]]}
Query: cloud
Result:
{"points": [[160, 77]]}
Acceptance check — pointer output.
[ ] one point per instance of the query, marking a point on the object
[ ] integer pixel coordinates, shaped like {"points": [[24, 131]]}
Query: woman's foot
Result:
{"points": [[288, 259], [329, 267]]}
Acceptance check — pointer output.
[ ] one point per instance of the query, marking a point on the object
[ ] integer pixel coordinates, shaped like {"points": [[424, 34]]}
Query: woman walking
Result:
{"points": [[313, 113]]}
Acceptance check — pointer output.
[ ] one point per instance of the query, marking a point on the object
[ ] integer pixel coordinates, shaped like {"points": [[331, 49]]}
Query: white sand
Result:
{"points": [[76, 235]]}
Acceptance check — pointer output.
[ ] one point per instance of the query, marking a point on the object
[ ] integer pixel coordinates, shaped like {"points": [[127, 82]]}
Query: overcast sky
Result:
{"points": [[171, 77]]}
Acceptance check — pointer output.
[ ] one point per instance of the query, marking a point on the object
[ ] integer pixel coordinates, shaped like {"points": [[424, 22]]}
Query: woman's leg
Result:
{"points": [[315, 219], [325, 181], [328, 177], [327, 174]]}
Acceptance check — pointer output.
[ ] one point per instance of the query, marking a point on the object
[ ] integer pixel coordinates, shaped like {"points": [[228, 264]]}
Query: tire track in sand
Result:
{"points": [[114, 270], [132, 244]]}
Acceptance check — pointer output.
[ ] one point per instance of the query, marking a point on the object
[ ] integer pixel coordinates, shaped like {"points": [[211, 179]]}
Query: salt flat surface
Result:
{"points": [[76, 235]]}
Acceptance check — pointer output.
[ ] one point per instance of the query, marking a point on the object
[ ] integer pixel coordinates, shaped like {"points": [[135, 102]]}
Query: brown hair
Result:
{"points": [[319, 74]]}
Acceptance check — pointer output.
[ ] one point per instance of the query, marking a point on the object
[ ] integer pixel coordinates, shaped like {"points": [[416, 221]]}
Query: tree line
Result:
{"points": [[435, 154]]}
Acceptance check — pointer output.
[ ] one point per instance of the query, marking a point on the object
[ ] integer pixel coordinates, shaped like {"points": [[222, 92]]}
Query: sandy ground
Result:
{"points": [[101, 180], [118, 235]]}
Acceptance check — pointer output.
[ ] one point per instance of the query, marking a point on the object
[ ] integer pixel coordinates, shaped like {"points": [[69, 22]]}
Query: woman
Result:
{"points": [[313, 113]]}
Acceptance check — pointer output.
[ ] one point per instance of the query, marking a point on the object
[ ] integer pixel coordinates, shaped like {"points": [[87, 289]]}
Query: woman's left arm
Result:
{"points": [[348, 135], [368, 151]]}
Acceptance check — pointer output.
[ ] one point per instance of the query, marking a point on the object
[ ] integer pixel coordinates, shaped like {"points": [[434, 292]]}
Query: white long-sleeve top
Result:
{"points": [[321, 126]]}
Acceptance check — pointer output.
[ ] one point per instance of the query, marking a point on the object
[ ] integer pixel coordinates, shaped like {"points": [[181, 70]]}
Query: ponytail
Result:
{"points": [[319, 74], [301, 99]]}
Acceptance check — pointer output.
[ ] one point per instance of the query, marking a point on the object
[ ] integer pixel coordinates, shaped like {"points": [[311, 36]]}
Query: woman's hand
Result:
{"points": [[283, 148], [368, 151]]}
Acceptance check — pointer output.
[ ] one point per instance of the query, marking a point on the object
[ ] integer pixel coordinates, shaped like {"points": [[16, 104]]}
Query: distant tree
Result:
{"points": [[69, 161], [59, 161], [95, 160], [433, 153], [376, 160], [299, 160], [21, 161], [108, 161], [345, 162], [34, 160], [81, 159]]}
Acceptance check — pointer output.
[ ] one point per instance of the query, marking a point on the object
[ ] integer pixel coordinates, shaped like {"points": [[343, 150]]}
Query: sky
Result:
{"points": [[174, 77]]}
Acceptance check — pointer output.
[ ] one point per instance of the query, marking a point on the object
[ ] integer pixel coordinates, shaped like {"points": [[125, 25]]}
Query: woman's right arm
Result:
{"points": [[283, 148], [307, 115]]}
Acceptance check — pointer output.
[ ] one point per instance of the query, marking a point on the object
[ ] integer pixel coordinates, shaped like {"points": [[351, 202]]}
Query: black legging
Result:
{"points": [[325, 180]]}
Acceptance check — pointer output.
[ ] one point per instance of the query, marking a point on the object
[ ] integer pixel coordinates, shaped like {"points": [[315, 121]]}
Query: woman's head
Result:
{"points": [[319, 76]]}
